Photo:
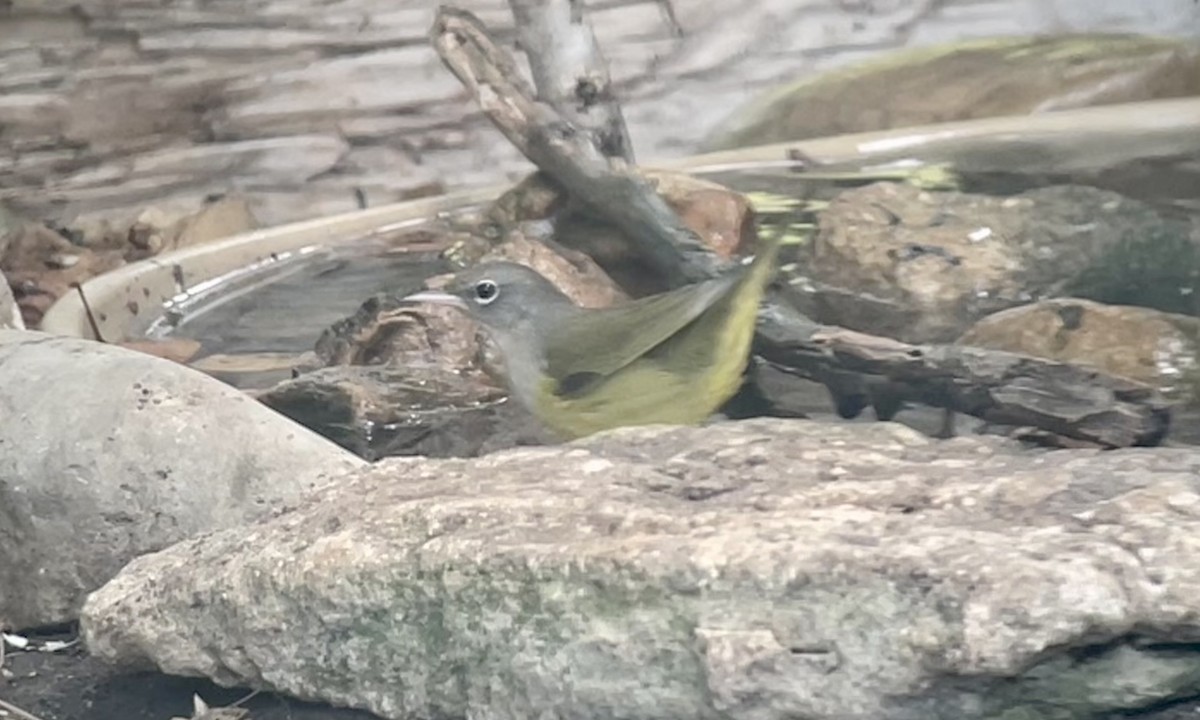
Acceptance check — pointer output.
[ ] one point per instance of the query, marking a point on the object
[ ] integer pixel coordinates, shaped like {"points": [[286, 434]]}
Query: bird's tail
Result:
{"points": [[763, 266]]}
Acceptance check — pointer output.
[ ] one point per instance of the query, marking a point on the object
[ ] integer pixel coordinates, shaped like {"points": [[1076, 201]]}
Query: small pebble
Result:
{"points": [[62, 261], [980, 235]]}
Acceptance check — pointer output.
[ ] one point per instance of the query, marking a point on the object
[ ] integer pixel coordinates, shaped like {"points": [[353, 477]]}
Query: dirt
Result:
{"points": [[71, 685]]}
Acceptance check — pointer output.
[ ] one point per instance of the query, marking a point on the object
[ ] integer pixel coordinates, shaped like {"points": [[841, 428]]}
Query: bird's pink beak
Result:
{"points": [[435, 297]]}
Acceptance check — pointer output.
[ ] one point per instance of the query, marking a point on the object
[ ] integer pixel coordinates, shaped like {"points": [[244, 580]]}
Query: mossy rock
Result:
{"points": [[967, 80]]}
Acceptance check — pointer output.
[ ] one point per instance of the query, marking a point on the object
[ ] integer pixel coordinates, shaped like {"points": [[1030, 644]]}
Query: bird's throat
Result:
{"points": [[524, 367]]}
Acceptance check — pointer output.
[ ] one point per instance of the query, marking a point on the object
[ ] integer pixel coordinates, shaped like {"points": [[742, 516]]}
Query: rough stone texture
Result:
{"points": [[298, 102], [107, 453], [760, 569], [891, 259], [399, 409], [1136, 343], [574, 273]]}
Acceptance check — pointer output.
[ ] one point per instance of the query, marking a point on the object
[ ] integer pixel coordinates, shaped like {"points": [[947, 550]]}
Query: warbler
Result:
{"points": [[672, 358]]}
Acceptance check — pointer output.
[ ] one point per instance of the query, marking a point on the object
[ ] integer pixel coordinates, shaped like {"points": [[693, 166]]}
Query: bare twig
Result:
{"points": [[17, 712], [1000, 387], [249, 696], [570, 72], [87, 311], [667, 8], [565, 153]]}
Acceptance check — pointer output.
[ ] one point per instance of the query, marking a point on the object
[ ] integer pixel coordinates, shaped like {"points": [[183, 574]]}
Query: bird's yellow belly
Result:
{"points": [[646, 393], [708, 360]]}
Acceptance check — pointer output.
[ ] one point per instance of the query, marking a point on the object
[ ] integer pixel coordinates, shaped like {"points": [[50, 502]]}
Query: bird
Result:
{"points": [[671, 358]]}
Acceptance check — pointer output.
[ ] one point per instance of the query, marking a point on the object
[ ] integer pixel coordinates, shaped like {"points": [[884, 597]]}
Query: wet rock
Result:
{"points": [[763, 569], [385, 330], [93, 473], [534, 243], [894, 260], [966, 80], [1146, 345], [722, 218], [387, 410], [572, 272]]}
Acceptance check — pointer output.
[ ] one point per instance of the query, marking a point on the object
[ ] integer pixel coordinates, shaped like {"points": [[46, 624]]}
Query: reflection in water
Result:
{"points": [[279, 311], [250, 325]]}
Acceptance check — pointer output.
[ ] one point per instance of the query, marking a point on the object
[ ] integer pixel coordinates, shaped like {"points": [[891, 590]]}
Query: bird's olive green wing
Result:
{"points": [[597, 343]]}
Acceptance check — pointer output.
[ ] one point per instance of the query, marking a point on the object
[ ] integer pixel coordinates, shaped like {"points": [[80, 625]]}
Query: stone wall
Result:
{"points": [[301, 104]]}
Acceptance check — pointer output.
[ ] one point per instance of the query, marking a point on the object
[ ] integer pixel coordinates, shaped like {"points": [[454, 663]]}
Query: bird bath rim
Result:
{"points": [[1083, 138]]}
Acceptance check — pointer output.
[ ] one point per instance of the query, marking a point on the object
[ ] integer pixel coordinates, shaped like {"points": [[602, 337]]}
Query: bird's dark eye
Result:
{"points": [[486, 291]]}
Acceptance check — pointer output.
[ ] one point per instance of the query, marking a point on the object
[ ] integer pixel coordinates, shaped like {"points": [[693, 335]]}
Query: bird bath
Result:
{"points": [[270, 293]]}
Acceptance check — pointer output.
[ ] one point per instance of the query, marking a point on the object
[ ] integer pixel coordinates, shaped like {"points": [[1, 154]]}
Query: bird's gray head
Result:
{"points": [[516, 305], [500, 295]]}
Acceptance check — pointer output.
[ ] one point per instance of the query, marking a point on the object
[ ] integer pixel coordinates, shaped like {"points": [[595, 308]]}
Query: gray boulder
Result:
{"points": [[759, 569], [892, 259], [107, 453]]}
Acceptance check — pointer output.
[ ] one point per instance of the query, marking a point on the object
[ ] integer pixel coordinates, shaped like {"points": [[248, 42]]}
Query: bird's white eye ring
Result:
{"points": [[486, 291]]}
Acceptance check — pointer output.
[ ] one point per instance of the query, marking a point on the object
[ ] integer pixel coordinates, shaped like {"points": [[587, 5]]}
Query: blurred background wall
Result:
{"points": [[299, 103]]}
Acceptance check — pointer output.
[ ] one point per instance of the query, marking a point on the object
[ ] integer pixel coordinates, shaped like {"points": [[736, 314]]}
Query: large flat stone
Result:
{"points": [[757, 570]]}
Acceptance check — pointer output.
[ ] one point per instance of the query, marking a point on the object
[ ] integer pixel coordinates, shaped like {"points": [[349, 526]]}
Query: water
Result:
{"points": [[1170, 183], [290, 305], [253, 327]]}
